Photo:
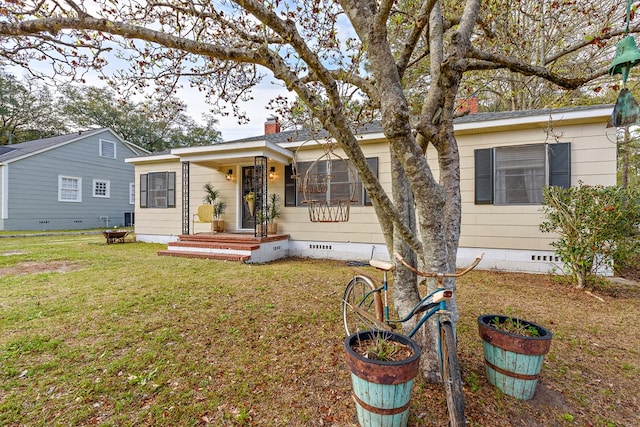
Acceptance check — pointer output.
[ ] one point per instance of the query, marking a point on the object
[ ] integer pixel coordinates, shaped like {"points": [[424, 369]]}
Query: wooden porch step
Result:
{"points": [[242, 247], [206, 255], [236, 245]]}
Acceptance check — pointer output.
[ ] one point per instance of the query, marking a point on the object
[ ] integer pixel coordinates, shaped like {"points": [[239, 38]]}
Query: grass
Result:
{"points": [[113, 335]]}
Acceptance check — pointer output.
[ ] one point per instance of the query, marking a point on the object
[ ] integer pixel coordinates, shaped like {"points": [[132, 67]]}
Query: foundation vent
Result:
{"points": [[545, 258], [322, 247]]}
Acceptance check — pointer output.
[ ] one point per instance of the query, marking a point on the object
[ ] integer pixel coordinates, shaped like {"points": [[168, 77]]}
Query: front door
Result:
{"points": [[248, 208]]}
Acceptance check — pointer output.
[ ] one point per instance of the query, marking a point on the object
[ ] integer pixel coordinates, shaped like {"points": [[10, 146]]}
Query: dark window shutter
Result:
{"points": [[289, 186], [143, 190], [373, 164], [560, 164], [171, 189], [483, 176]]}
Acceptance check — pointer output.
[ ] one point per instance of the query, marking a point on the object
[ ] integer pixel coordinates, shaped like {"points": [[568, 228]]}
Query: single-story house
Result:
{"points": [[506, 159], [73, 181]]}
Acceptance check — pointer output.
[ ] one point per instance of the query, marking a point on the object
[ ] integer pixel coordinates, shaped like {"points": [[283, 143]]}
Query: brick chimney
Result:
{"points": [[467, 105], [271, 126]]}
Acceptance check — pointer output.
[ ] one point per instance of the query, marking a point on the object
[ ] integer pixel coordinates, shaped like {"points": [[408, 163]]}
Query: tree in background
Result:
{"points": [[403, 61], [27, 111], [543, 34], [154, 125]]}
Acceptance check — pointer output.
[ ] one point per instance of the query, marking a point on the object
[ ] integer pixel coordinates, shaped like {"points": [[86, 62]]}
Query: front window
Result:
{"points": [[101, 188], [343, 181], [69, 189], [520, 174], [516, 175], [158, 190]]}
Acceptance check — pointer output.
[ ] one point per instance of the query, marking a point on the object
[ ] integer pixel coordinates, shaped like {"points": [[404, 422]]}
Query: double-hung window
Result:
{"points": [[132, 193], [158, 190], [69, 189], [515, 175]]}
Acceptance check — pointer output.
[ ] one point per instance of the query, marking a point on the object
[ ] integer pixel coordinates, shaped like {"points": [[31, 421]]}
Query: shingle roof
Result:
{"points": [[305, 134], [9, 152], [501, 115]]}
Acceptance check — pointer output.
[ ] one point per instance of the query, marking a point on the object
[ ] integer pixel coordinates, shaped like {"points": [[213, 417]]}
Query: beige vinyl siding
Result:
{"points": [[158, 221], [199, 175], [517, 226], [362, 227]]}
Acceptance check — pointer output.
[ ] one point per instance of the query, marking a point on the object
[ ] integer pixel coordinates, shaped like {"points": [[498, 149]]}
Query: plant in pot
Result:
{"points": [[260, 221], [383, 366], [514, 350], [219, 206], [273, 212]]}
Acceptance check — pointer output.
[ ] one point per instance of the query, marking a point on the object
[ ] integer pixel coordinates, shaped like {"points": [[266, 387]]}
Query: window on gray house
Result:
{"points": [[69, 189], [158, 190], [101, 188], [517, 174], [132, 193]]}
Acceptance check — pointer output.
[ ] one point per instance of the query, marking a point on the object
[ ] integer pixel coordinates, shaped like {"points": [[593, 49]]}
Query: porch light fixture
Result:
{"points": [[230, 175], [272, 173]]}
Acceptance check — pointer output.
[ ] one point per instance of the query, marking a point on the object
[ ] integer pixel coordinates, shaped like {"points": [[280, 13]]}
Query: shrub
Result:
{"points": [[598, 227]]}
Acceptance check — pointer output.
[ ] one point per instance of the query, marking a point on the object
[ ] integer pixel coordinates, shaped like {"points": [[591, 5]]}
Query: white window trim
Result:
{"points": [[132, 193], [108, 188], [104, 141], [79, 198]]}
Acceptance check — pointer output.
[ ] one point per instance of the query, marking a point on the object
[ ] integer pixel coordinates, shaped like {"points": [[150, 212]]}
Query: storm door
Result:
{"points": [[248, 205]]}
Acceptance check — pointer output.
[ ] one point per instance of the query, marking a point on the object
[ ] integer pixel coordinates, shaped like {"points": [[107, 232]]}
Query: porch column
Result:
{"points": [[260, 182], [185, 198]]}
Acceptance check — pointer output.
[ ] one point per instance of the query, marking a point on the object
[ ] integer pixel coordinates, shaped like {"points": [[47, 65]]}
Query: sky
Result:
{"points": [[196, 104], [256, 110]]}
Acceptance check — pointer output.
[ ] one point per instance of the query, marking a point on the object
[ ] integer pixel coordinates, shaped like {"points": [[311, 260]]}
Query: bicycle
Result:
{"points": [[365, 306]]}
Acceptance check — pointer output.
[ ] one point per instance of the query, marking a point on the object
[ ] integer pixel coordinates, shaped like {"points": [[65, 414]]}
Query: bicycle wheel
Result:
{"points": [[360, 293], [450, 370]]}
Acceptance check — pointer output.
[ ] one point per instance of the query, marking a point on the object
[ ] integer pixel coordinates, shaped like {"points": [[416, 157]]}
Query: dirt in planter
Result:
{"points": [[382, 349]]}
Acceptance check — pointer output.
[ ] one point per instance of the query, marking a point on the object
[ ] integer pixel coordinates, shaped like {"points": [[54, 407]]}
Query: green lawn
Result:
{"points": [[114, 335]]}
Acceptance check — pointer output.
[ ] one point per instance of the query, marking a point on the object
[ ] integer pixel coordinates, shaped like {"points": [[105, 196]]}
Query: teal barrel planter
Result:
{"points": [[512, 361], [382, 389]]}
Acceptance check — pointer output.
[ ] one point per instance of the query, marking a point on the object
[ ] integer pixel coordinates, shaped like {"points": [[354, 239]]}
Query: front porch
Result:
{"points": [[242, 247]]}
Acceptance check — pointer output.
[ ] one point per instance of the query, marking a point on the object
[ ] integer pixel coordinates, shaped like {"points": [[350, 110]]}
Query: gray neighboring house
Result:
{"points": [[67, 182]]}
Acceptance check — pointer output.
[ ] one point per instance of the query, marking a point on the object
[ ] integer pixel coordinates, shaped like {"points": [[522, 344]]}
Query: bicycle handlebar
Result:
{"points": [[430, 274]]}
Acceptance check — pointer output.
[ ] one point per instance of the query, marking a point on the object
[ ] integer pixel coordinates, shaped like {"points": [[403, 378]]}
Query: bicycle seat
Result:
{"points": [[381, 265]]}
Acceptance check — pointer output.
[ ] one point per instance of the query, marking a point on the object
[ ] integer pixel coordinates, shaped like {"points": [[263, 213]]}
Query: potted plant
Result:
{"points": [[514, 350], [260, 220], [383, 366], [219, 206], [250, 198], [273, 212]]}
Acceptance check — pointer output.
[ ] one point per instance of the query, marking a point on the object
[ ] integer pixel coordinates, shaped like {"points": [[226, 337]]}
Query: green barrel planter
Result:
{"points": [[382, 390], [513, 362]]}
